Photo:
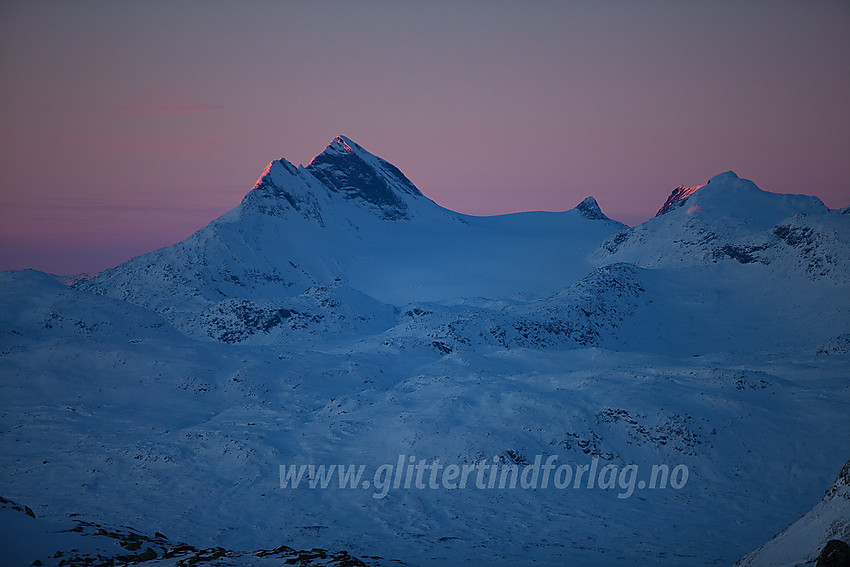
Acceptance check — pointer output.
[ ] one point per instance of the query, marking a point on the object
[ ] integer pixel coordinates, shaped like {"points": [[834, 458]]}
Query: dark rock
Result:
{"points": [[743, 254], [341, 170], [836, 553], [794, 235], [613, 242], [442, 347], [148, 555]]}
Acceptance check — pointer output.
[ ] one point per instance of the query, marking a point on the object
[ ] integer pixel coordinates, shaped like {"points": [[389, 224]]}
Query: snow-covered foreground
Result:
{"points": [[337, 317]]}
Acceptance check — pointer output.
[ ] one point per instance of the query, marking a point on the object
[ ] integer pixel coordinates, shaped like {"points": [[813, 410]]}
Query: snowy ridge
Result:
{"points": [[281, 187], [585, 314], [677, 198]]}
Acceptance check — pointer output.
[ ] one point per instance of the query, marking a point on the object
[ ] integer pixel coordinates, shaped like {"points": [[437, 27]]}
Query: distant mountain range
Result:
{"points": [[338, 315]]}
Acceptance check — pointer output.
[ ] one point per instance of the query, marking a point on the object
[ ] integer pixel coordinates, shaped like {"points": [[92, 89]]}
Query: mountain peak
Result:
{"points": [[341, 145], [340, 139], [346, 168], [589, 209], [725, 176], [682, 192]]}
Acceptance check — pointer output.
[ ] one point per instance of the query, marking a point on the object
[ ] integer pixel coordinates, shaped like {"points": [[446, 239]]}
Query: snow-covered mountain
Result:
{"points": [[337, 316], [348, 224], [731, 220]]}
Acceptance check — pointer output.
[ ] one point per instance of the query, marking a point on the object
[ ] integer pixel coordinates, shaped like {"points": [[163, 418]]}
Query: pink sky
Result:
{"points": [[128, 126]]}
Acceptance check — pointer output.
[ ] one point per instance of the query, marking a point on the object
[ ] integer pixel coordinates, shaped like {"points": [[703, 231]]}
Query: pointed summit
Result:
{"points": [[340, 146], [343, 146], [345, 167], [589, 209], [346, 142], [344, 171]]}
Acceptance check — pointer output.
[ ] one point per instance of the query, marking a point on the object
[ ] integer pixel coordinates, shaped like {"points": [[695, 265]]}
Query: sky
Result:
{"points": [[126, 126]]}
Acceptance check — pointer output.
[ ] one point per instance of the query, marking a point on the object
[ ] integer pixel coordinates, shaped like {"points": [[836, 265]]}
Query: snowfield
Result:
{"points": [[337, 316]]}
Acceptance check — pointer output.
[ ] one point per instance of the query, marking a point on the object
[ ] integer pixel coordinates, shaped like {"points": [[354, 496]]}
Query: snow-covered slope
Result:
{"points": [[186, 437], [339, 317], [37, 306], [802, 542]]}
